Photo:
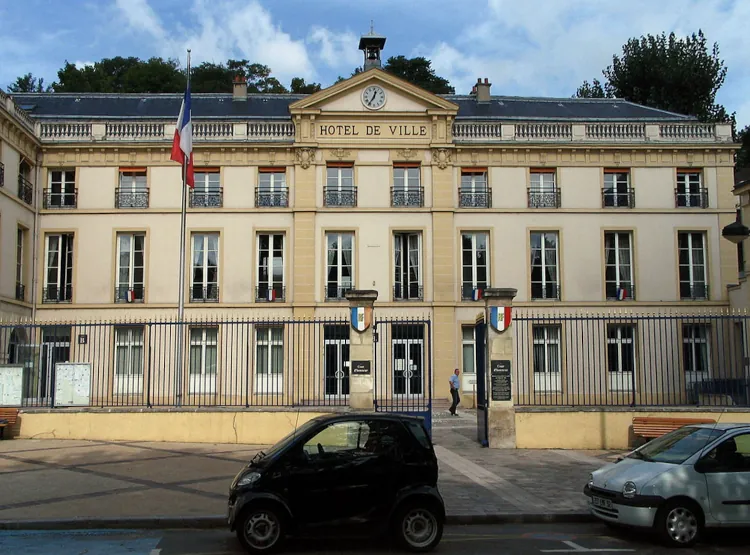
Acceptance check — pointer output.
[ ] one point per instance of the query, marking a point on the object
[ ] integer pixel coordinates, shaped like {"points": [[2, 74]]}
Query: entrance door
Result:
{"points": [[336, 361], [408, 376]]}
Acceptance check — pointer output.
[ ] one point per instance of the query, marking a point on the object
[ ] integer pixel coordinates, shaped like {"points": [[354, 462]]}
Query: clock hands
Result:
{"points": [[374, 94]]}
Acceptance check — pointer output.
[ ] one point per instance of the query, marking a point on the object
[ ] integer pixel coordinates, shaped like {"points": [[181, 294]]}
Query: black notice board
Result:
{"points": [[361, 367], [500, 378]]}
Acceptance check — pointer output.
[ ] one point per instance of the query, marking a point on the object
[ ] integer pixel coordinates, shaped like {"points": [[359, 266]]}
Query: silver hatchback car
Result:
{"points": [[694, 477]]}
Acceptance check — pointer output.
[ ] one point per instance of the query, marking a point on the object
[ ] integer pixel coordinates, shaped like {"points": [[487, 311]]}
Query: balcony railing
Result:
{"points": [[544, 198], [336, 293], [201, 294], [20, 292], [411, 292], [60, 199], [131, 198], [271, 199], [270, 293], [53, 293], [333, 196], [622, 292], [691, 199], [207, 199], [471, 198], [694, 291], [618, 199], [471, 292], [545, 291], [25, 190], [129, 293], [407, 197], [2, 174]]}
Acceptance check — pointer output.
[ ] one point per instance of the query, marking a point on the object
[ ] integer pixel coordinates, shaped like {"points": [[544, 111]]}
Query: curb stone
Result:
{"points": [[220, 521]]}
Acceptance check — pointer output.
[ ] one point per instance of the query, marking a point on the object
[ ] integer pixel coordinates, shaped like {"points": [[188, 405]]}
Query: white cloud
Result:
{"points": [[80, 64], [336, 50], [141, 16]]}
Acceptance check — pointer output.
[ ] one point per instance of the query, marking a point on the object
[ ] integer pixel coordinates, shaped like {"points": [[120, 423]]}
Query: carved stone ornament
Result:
{"points": [[442, 157], [406, 153], [340, 153], [305, 157]]}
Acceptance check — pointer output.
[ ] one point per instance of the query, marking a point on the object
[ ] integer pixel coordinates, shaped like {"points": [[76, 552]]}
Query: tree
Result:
{"points": [[591, 90], [419, 72], [676, 74], [743, 155], [27, 83], [300, 87], [122, 75]]}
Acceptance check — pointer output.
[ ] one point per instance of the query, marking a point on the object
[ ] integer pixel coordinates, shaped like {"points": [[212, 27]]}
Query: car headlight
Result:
{"points": [[249, 478], [591, 480], [629, 490]]}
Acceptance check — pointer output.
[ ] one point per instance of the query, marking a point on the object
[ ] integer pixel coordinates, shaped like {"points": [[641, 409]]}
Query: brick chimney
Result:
{"points": [[239, 91], [482, 90]]}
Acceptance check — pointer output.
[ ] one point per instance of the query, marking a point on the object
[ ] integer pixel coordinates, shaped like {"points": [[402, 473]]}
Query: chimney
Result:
{"points": [[483, 90], [239, 91]]}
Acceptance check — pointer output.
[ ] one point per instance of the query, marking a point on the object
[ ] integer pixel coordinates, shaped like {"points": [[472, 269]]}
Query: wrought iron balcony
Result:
{"points": [[201, 294], [411, 292], [694, 291], [407, 197], [622, 292], [472, 198], [471, 292], [336, 293], [61, 199], [696, 198], [131, 198], [618, 199], [544, 198], [53, 293], [271, 199], [545, 291], [270, 293], [25, 190], [129, 294], [207, 199], [20, 292], [2, 174], [333, 196]]}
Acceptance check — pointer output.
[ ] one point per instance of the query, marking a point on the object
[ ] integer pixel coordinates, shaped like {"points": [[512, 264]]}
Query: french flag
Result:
{"points": [[271, 294], [182, 144], [622, 294], [476, 294]]}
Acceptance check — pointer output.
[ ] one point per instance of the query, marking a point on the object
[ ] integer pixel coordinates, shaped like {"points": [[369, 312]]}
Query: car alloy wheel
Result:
{"points": [[420, 529], [260, 530], [679, 523]]}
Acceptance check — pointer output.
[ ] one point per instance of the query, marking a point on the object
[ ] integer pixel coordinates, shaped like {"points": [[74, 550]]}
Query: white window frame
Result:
{"points": [[204, 184], [618, 262], [205, 284], [64, 264], [691, 264], [19, 255], [340, 260], [337, 182], [548, 379], [616, 188], [270, 283], [405, 181], [131, 284], [399, 239], [268, 382], [686, 181], [66, 187], [129, 381], [275, 183], [693, 342], [543, 261], [543, 182], [203, 381], [474, 235], [476, 182], [470, 377], [129, 181], [621, 380]]}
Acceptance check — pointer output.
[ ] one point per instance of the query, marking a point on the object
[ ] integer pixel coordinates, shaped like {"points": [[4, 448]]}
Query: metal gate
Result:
{"points": [[402, 380], [480, 334]]}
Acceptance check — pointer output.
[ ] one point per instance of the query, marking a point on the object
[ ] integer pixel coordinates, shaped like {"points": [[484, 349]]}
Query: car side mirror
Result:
{"points": [[706, 465]]}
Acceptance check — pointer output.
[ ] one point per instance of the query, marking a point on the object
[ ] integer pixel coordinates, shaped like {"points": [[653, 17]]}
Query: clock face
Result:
{"points": [[373, 97]]}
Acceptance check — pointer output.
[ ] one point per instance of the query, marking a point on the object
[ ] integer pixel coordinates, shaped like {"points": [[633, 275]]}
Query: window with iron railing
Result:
{"points": [[474, 191], [691, 247], [61, 192], [617, 192], [204, 280], [475, 266], [544, 192], [339, 264], [690, 192], [207, 192], [272, 190], [407, 283], [25, 190], [545, 281], [407, 190], [132, 192], [129, 285], [270, 269], [618, 265], [339, 190], [58, 274]]}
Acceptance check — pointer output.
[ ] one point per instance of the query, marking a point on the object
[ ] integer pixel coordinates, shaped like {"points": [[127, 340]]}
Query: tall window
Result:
{"points": [[62, 189], [407, 282], [269, 359], [620, 356], [475, 266], [695, 351], [407, 189], [132, 192], [468, 350], [128, 360], [339, 189], [20, 286], [203, 359], [272, 189], [204, 285], [543, 192], [130, 267], [25, 187], [270, 271], [545, 282], [692, 257], [546, 341], [474, 192], [690, 192], [618, 265], [207, 191], [58, 275], [339, 264], [617, 192]]}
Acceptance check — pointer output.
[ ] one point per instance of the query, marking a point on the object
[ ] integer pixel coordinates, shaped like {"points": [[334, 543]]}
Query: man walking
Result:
{"points": [[455, 384]]}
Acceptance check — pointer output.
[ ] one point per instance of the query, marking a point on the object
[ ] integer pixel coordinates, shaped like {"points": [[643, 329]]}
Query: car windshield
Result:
{"points": [[285, 441], [678, 446]]}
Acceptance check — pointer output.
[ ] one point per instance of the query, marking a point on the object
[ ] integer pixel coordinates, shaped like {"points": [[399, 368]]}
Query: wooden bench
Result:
{"points": [[656, 426], [8, 418]]}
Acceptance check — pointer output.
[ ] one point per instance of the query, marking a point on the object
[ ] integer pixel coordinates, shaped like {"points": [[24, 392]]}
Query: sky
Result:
{"points": [[524, 47]]}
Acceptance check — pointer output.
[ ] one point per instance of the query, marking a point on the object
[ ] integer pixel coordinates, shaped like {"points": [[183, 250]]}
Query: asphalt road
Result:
{"points": [[464, 540]]}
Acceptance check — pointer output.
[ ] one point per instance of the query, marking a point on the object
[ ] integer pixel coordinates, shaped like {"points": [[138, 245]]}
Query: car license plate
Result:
{"points": [[603, 503]]}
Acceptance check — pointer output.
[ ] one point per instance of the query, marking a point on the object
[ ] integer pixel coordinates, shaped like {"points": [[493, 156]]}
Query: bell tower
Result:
{"points": [[372, 44]]}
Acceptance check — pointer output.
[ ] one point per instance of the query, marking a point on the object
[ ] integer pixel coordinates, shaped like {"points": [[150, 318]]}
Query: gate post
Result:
{"points": [[361, 348], [501, 413]]}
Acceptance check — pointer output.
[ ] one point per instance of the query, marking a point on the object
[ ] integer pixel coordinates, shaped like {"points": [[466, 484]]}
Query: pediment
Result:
{"points": [[346, 96]]}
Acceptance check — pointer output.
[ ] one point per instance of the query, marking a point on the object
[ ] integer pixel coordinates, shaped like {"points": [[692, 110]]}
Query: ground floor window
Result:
{"points": [[546, 340], [203, 359], [269, 360], [128, 360]]}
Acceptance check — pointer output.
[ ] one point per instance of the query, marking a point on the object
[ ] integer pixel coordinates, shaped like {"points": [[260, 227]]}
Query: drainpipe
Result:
{"points": [[35, 238]]}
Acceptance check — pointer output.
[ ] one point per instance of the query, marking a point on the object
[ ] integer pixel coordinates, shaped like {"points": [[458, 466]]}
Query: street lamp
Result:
{"points": [[735, 232]]}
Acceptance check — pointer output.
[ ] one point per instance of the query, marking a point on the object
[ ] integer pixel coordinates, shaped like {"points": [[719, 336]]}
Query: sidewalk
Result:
{"points": [[61, 480]]}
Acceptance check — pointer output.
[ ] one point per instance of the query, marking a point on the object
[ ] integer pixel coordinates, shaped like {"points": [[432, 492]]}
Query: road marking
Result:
{"points": [[575, 548]]}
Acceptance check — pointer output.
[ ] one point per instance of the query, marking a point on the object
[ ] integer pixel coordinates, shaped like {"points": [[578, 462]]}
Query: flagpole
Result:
{"points": [[181, 287]]}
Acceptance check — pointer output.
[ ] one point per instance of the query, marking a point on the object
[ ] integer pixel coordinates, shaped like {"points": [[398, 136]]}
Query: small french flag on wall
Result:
{"points": [[476, 294], [622, 294], [271, 294], [130, 295]]}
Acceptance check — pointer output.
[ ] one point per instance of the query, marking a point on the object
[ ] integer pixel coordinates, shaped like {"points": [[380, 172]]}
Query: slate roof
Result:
{"points": [[276, 106]]}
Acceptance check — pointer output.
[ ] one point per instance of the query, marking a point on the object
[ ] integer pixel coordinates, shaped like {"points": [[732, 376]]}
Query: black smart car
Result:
{"points": [[368, 474]]}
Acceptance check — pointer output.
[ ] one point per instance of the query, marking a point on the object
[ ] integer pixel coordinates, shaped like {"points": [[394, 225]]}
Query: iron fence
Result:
{"points": [[225, 363], [628, 359]]}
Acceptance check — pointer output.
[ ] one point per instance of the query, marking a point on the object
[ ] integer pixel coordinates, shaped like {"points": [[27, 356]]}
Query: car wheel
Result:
{"points": [[679, 523], [418, 528], [260, 530]]}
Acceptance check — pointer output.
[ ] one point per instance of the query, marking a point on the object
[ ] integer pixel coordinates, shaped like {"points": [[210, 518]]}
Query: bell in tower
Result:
{"points": [[372, 44]]}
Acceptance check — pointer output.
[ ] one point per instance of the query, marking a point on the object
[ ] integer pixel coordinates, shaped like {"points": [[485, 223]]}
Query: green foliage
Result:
{"points": [[591, 90], [743, 156], [27, 83], [418, 71], [300, 87]]}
